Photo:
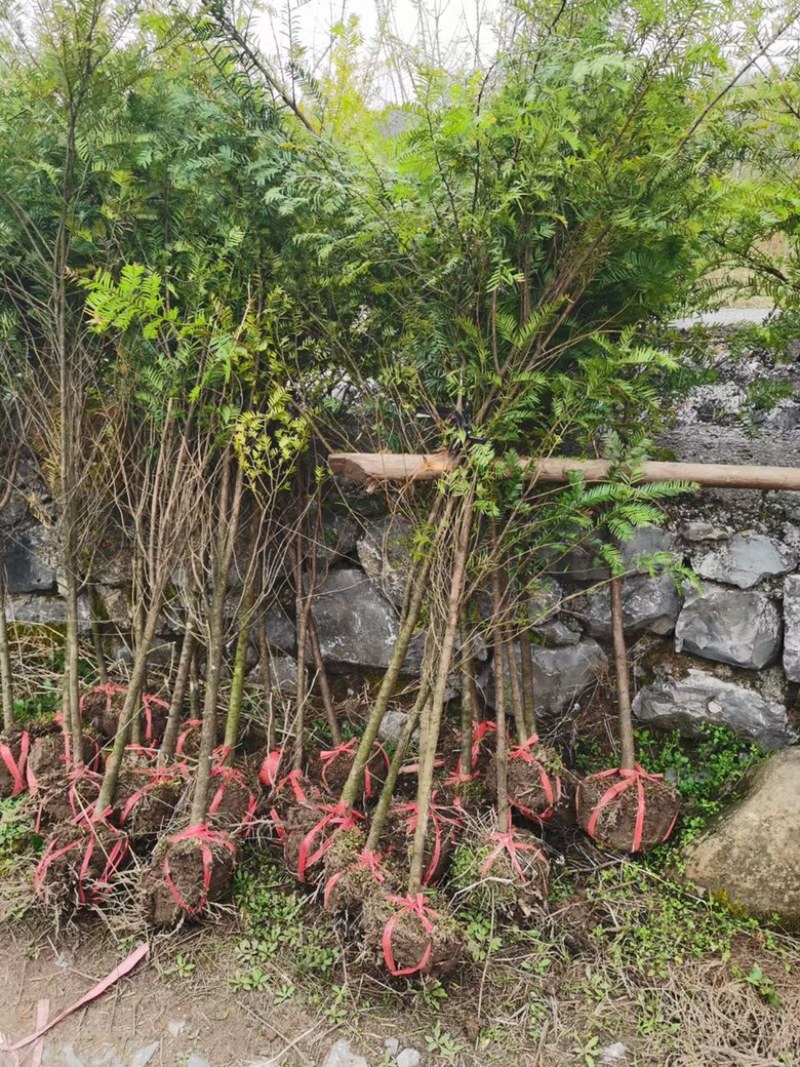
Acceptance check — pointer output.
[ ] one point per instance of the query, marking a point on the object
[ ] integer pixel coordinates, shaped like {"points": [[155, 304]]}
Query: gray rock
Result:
{"points": [[144, 1055], [648, 604], [392, 1046], [197, 1061], [581, 564], [791, 622], [730, 626], [283, 672], [544, 602], [356, 625], [70, 1058], [341, 1055], [113, 567], [559, 674], [338, 540], [745, 560], [645, 542], [280, 629], [114, 605], [384, 553], [557, 634], [409, 1057], [751, 855], [27, 562], [700, 697], [393, 724], [30, 610], [700, 530]]}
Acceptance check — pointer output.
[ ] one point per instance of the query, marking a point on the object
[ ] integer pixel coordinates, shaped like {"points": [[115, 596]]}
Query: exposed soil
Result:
{"points": [[351, 876], [435, 947], [184, 876], [145, 804], [615, 825], [80, 864], [332, 773], [233, 800], [442, 833]]}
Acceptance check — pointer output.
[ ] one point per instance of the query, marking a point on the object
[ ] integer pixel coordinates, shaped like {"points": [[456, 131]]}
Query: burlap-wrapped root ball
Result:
{"points": [[534, 779], [80, 863], [189, 870], [309, 833], [627, 810], [353, 873], [506, 872], [445, 824], [412, 936], [145, 802], [335, 764]]}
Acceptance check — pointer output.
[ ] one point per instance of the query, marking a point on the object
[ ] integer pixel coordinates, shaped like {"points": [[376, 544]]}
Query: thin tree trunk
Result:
{"points": [[194, 681], [528, 684], [130, 710], [418, 588], [265, 669], [500, 667], [301, 624], [387, 792], [6, 673], [514, 679], [469, 704], [322, 679], [173, 726], [628, 748], [228, 526], [97, 639], [239, 670], [431, 734]]}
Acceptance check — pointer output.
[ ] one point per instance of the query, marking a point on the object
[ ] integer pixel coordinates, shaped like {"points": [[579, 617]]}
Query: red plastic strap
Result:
{"points": [[336, 818], [96, 991], [293, 779], [627, 778], [438, 816], [16, 768], [231, 774], [268, 772], [80, 814], [149, 701], [507, 842], [188, 726], [552, 795], [417, 906], [369, 860], [113, 862], [204, 836], [350, 748]]}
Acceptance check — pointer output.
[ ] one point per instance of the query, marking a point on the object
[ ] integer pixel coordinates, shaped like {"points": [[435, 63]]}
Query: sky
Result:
{"points": [[459, 26]]}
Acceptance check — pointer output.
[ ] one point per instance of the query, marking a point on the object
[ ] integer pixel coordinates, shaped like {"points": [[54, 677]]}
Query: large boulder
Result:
{"points": [[356, 625], [648, 604], [45, 611], [742, 628], [751, 855], [646, 542], [384, 551], [699, 698], [560, 675], [791, 623], [745, 560]]}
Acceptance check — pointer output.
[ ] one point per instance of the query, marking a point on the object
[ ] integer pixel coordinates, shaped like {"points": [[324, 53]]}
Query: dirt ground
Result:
{"points": [[151, 1012]]}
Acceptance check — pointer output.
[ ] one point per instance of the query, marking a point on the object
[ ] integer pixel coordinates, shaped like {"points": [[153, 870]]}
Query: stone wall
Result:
{"points": [[728, 652]]}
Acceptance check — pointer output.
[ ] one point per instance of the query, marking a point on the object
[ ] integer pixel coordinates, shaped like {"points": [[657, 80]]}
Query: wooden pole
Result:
{"points": [[373, 468]]}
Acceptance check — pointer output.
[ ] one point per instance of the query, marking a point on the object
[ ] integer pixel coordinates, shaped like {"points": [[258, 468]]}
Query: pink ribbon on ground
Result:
{"points": [[96, 991], [416, 906], [268, 773]]}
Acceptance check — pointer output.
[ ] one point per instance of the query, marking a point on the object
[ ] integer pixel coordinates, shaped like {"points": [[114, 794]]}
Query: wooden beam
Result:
{"points": [[373, 468]]}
